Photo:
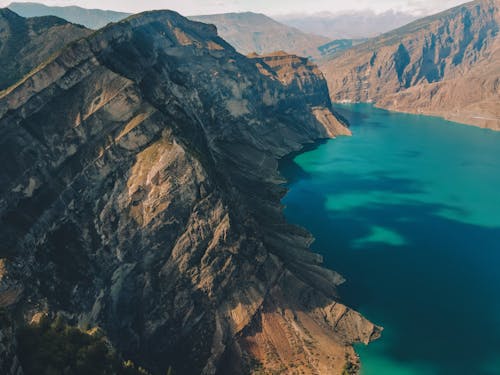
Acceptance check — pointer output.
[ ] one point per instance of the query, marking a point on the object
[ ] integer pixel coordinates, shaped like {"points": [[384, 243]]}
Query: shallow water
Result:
{"points": [[408, 210]]}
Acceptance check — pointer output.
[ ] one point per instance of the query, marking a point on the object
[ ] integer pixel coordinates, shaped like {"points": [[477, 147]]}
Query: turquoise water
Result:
{"points": [[408, 210]]}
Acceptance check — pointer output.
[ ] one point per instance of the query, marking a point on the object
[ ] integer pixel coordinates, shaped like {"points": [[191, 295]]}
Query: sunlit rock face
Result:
{"points": [[444, 65], [140, 194]]}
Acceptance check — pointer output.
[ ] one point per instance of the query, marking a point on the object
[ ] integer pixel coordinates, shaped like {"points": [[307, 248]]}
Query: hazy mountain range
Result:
{"points": [[91, 18], [252, 32], [348, 25]]}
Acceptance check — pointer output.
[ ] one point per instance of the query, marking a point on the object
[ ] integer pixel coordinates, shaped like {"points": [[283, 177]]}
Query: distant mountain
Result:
{"points": [[252, 32], [26, 43], [351, 25], [91, 18], [446, 65]]}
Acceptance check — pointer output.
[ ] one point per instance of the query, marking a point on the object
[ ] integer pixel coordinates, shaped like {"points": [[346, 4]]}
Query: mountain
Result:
{"points": [[26, 43], [347, 25], [252, 32], [140, 197], [445, 65], [247, 32], [91, 18]]}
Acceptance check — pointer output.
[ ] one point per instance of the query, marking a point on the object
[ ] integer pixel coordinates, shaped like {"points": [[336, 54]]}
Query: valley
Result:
{"points": [[237, 193]]}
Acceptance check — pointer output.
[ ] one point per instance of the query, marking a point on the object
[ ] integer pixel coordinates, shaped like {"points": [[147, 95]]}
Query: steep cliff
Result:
{"points": [[26, 43], [304, 81], [140, 194], [445, 65]]}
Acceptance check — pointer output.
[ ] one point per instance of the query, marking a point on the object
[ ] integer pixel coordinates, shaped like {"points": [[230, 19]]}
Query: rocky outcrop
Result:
{"points": [[252, 32], [140, 194], [26, 43], [445, 65], [304, 81]]}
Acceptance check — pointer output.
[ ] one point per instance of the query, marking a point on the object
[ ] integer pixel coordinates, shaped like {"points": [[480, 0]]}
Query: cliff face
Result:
{"points": [[26, 43], [252, 32], [445, 65], [305, 82], [140, 194]]}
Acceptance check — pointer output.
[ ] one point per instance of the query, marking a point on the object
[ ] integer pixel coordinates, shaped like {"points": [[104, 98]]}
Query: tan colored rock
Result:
{"points": [[156, 214], [444, 65]]}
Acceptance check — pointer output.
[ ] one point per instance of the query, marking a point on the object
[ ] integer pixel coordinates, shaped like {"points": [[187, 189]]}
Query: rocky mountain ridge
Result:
{"points": [[140, 194], [444, 65], [26, 43]]}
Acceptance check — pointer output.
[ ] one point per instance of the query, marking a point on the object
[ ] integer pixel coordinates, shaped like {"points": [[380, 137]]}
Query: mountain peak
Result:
{"points": [[146, 200]]}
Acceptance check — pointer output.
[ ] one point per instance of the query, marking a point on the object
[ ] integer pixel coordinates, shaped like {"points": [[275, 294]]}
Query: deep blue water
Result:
{"points": [[408, 211]]}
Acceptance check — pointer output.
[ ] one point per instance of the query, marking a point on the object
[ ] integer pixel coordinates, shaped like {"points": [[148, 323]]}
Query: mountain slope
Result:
{"points": [[419, 67], [91, 18], [140, 194], [251, 32], [25, 43]]}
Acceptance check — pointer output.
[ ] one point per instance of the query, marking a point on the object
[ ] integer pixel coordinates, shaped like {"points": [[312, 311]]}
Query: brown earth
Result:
{"points": [[446, 65]]}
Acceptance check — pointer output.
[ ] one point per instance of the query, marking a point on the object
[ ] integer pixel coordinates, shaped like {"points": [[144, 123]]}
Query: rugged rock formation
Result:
{"points": [[304, 81], [251, 32], [26, 43], [445, 65], [91, 18], [140, 194]]}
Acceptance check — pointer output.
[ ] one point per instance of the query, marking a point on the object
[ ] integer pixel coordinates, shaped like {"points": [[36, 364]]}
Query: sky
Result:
{"points": [[274, 7]]}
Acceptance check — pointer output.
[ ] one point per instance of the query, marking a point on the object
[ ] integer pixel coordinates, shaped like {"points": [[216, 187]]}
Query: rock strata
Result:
{"points": [[25, 43], [140, 194], [444, 65]]}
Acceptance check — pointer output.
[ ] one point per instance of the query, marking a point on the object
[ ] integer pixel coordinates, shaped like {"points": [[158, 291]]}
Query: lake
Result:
{"points": [[408, 211]]}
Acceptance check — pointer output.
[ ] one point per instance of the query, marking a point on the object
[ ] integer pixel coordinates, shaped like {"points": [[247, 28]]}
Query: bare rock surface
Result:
{"points": [[140, 194], [25, 43], [445, 65]]}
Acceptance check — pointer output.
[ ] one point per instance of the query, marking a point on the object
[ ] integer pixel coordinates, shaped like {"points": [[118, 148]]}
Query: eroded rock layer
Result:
{"points": [[27, 42], [140, 194], [445, 65]]}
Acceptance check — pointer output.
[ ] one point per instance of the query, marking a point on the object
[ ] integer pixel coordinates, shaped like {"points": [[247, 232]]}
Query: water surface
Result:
{"points": [[408, 210]]}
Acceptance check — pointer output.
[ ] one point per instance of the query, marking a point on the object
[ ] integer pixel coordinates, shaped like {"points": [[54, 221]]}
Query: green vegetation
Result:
{"points": [[54, 348]]}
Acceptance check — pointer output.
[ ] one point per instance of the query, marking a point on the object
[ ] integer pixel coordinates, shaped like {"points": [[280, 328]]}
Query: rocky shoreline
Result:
{"points": [[141, 195]]}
